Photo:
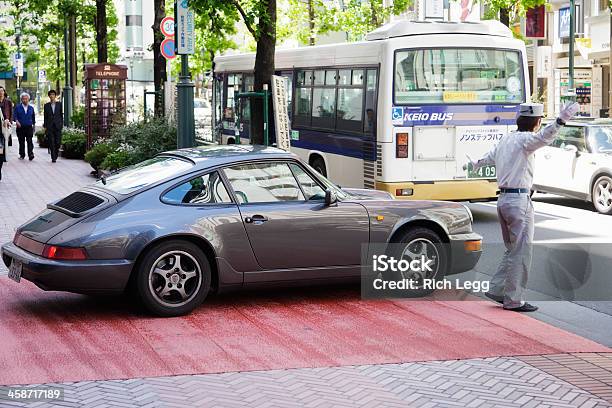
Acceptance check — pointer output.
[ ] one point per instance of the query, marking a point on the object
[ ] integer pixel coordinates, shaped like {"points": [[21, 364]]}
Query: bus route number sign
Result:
{"points": [[488, 171]]}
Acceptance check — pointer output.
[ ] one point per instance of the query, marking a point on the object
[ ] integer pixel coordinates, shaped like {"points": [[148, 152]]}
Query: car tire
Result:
{"points": [[167, 289], [601, 195], [319, 165], [435, 247]]}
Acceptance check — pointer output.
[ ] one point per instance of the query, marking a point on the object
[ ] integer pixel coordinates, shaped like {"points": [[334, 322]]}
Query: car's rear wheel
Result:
{"points": [[602, 195], [415, 244], [173, 278]]}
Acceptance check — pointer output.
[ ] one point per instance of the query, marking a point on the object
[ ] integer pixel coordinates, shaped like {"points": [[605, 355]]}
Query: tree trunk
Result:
{"points": [[159, 62], [504, 16], [374, 15], [264, 67], [311, 23], [101, 33], [72, 45]]}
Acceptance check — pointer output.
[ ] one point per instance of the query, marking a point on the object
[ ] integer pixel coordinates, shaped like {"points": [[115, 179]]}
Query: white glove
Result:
{"points": [[470, 161], [568, 110]]}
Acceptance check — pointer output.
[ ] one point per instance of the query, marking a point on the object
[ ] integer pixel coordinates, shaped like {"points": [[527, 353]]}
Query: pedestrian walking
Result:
{"points": [[25, 120], [2, 144], [6, 107], [514, 161], [53, 124]]}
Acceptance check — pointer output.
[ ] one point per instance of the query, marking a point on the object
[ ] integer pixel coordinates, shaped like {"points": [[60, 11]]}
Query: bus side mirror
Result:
{"points": [[330, 198]]}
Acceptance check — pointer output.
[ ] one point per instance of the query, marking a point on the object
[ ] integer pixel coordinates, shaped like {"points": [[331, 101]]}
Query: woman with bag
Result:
{"points": [[6, 116]]}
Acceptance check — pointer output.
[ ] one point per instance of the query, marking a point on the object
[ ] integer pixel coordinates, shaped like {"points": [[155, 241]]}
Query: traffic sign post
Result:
{"points": [[185, 45], [167, 48]]}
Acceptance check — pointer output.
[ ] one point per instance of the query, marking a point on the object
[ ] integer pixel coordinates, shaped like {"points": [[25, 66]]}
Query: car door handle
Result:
{"points": [[256, 219]]}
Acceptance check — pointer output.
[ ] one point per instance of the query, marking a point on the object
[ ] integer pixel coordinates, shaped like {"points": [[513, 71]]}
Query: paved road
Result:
{"points": [[567, 224]]}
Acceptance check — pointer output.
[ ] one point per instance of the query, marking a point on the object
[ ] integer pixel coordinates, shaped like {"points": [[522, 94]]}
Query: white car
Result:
{"points": [[578, 164]]}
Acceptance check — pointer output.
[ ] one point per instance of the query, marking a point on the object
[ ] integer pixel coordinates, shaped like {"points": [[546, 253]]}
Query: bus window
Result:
{"points": [[319, 77], [330, 77], [350, 104], [458, 75], [357, 77], [323, 107], [344, 77], [233, 86], [303, 101], [369, 122]]}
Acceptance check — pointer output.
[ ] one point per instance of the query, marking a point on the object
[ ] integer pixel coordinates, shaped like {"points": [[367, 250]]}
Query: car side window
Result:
{"points": [[312, 190], [263, 183], [204, 189], [573, 135]]}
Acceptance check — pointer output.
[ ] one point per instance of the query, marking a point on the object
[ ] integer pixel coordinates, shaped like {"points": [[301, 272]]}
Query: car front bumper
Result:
{"points": [[461, 258], [91, 276]]}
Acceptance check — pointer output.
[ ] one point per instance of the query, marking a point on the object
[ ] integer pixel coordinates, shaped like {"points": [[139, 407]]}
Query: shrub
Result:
{"points": [[41, 138], [98, 153], [74, 142], [78, 117], [118, 159]]}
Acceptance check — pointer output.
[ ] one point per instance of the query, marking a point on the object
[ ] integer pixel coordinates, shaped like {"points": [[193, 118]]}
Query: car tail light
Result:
{"points": [[64, 253], [403, 192], [401, 145]]}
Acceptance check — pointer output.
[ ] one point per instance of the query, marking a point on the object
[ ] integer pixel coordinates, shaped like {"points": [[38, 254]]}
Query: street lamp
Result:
{"points": [[18, 43]]}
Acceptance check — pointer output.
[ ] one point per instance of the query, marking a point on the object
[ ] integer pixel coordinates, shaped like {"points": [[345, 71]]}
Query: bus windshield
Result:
{"points": [[458, 75]]}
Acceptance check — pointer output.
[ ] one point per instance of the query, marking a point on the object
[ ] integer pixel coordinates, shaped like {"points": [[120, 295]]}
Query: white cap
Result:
{"points": [[531, 109]]}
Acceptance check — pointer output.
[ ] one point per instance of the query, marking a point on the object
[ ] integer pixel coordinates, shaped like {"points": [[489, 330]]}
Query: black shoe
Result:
{"points": [[53, 161], [31, 158], [495, 298], [525, 308], [21, 157]]}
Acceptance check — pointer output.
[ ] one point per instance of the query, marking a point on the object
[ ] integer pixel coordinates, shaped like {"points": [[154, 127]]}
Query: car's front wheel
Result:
{"points": [[602, 195], [420, 244], [173, 278]]}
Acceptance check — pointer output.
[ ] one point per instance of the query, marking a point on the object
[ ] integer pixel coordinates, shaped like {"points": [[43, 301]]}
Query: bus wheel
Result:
{"points": [[231, 141], [319, 165]]}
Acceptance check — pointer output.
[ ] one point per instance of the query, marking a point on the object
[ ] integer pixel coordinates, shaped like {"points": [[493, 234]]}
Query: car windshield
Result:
{"points": [[340, 194], [144, 174], [600, 139]]}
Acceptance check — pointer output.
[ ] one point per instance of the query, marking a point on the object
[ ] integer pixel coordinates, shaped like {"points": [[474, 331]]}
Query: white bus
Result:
{"points": [[398, 111]]}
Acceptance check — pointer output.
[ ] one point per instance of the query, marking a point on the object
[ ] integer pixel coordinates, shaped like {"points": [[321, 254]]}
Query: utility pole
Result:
{"points": [[18, 43], [67, 94], [571, 92]]}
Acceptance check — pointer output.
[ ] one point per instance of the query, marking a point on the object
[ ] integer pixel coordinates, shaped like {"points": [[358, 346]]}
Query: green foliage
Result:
{"points": [[98, 153], [306, 19], [117, 160], [41, 139], [78, 117], [515, 8], [133, 143], [74, 142]]}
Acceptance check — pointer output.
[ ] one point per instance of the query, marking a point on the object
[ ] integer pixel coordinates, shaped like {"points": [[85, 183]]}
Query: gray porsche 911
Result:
{"points": [[192, 221]]}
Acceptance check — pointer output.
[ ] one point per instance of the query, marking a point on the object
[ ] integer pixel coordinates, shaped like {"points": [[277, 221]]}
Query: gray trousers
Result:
{"points": [[515, 213]]}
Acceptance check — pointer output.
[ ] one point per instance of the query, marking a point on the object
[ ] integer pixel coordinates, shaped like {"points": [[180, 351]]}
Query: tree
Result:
{"points": [[509, 11], [259, 17], [306, 19], [101, 31]]}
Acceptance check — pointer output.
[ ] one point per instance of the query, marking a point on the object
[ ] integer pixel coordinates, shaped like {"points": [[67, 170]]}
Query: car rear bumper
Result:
{"points": [[463, 259], [455, 190], [91, 276]]}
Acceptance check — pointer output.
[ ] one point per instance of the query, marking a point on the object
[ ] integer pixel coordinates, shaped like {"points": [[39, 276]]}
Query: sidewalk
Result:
{"points": [[303, 348], [27, 186]]}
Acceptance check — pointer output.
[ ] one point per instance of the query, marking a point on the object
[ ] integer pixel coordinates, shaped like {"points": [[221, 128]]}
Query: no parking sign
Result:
{"points": [[167, 48]]}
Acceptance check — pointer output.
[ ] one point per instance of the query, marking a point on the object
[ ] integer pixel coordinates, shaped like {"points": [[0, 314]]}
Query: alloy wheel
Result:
{"points": [[602, 195], [417, 249], [175, 278]]}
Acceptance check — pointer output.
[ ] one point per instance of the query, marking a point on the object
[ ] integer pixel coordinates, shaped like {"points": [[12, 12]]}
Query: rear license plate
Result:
{"points": [[482, 172], [15, 269]]}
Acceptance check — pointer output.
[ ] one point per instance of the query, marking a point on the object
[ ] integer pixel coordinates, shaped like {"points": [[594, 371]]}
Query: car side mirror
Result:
{"points": [[571, 148], [330, 198]]}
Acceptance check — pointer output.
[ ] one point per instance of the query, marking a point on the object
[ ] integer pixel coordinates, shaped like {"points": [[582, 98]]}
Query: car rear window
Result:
{"points": [[144, 174]]}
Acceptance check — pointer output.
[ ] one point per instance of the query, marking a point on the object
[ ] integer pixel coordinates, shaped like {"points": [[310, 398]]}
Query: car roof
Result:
{"points": [[218, 155], [586, 122]]}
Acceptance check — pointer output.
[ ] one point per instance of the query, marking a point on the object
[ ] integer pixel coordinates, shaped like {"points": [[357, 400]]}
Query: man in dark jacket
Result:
{"points": [[53, 124], [25, 121]]}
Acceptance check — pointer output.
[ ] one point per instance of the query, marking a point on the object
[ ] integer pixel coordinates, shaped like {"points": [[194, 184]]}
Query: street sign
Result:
{"points": [[281, 112], [185, 28], [42, 75], [167, 26], [167, 48]]}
